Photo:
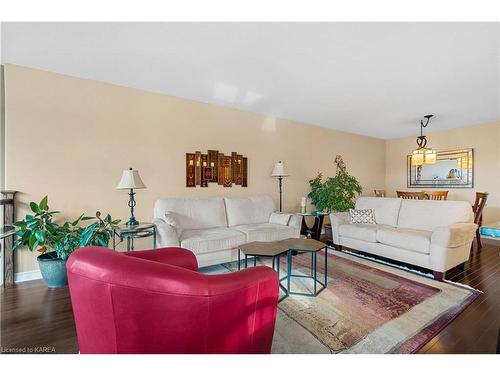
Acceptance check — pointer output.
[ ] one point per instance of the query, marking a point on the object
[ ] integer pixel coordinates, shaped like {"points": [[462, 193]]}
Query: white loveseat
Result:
{"points": [[436, 235], [213, 228]]}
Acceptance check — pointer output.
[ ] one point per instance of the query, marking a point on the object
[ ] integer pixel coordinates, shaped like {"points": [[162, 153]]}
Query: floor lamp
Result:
{"points": [[279, 173]]}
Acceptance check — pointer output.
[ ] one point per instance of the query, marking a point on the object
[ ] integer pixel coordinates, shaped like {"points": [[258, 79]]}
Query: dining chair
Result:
{"points": [[380, 193], [436, 195], [478, 206], [411, 194]]}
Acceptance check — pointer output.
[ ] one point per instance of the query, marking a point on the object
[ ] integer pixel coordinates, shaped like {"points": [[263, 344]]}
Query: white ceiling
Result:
{"points": [[376, 79]]}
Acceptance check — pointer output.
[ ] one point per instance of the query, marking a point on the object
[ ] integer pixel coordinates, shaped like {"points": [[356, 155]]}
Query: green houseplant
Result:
{"points": [[55, 242], [335, 194]]}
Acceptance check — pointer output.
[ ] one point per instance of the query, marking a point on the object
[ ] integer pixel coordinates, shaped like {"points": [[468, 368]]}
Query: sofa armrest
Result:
{"points": [[454, 235], [166, 235], [295, 221], [337, 219], [174, 256]]}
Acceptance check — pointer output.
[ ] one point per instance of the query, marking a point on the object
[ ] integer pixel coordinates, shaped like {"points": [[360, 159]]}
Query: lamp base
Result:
{"points": [[132, 221]]}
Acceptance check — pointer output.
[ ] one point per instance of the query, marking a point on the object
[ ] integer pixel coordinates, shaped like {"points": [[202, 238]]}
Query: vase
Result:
{"points": [[53, 270]]}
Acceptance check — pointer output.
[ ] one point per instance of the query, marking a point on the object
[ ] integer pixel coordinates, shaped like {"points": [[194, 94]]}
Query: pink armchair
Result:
{"points": [[156, 301]]}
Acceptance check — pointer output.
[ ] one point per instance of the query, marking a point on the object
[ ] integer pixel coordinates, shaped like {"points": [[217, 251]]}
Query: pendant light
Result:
{"points": [[423, 155]]}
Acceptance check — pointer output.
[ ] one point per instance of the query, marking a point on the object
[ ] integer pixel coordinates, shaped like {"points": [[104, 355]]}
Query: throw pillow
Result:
{"points": [[172, 221], [279, 218], [362, 216]]}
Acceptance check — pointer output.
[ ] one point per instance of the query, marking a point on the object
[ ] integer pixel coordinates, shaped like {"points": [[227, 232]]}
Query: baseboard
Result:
{"points": [[19, 277]]}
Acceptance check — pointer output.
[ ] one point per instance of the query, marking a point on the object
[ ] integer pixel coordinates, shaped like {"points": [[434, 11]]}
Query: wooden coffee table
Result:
{"points": [[276, 249]]}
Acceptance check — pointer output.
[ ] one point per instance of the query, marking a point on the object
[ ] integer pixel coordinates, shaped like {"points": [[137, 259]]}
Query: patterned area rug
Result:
{"points": [[367, 307]]}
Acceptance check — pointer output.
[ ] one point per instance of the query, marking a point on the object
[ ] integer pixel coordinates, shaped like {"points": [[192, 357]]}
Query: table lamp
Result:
{"points": [[131, 180], [279, 172]]}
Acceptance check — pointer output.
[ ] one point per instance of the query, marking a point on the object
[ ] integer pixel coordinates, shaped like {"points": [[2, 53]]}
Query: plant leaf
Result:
{"points": [[74, 223], [43, 203], [40, 236], [34, 207], [31, 242]]}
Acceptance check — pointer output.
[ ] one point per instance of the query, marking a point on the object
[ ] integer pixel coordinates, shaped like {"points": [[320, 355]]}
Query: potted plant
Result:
{"points": [[336, 194], [56, 242]]}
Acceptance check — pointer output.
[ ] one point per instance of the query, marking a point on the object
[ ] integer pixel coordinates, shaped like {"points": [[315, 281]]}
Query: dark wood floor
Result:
{"points": [[35, 318]]}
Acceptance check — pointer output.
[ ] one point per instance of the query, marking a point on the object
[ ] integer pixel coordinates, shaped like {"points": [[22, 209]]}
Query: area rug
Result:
{"points": [[366, 308]]}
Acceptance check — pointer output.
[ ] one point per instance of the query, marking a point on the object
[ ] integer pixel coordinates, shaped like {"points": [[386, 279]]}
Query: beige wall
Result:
{"points": [[71, 138], [485, 139]]}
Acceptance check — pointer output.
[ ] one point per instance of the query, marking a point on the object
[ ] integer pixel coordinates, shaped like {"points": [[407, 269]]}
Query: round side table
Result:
{"points": [[131, 232]]}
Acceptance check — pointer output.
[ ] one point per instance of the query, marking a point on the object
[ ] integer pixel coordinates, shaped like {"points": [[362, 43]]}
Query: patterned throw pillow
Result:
{"points": [[362, 216]]}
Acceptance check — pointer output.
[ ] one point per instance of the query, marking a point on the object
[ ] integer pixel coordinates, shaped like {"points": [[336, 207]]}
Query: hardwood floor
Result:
{"points": [[476, 330], [37, 319]]}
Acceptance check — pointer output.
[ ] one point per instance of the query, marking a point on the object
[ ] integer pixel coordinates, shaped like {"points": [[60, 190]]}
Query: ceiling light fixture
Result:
{"points": [[423, 155]]}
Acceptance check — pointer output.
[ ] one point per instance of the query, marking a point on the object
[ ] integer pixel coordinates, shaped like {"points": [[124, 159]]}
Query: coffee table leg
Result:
{"points": [[289, 271], [239, 259], [326, 266], [254, 260], [312, 260], [315, 264], [246, 261], [278, 268]]}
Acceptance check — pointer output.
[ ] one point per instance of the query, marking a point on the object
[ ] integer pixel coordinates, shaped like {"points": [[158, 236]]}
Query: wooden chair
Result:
{"points": [[436, 195], [411, 194], [380, 193], [478, 215]]}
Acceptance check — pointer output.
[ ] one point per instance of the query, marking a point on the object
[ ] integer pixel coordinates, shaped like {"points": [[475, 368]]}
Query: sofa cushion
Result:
{"points": [[193, 213], [429, 214], [409, 239], [386, 209], [201, 241], [250, 210], [267, 232], [363, 232], [279, 218]]}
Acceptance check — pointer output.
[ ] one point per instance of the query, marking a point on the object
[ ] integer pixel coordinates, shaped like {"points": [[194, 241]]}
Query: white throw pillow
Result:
{"points": [[362, 216], [170, 219], [279, 218]]}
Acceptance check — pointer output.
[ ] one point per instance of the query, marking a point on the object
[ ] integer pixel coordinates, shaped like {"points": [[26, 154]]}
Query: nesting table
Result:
{"points": [[278, 249]]}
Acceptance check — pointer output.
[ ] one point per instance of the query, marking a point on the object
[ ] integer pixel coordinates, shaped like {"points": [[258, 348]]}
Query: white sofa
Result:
{"points": [[436, 235], [213, 228]]}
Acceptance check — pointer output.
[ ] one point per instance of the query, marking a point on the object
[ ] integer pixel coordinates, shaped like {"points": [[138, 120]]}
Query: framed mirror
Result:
{"points": [[453, 169]]}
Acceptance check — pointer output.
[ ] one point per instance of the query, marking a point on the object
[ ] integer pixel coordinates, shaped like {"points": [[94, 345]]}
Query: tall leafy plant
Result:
{"points": [[337, 193], [38, 231]]}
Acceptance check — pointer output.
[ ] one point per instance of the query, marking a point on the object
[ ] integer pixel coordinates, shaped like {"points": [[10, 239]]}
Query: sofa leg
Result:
{"points": [[337, 247], [439, 276]]}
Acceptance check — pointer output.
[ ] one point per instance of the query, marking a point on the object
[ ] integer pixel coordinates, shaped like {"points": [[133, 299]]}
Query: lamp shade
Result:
{"points": [[417, 158], [131, 180], [423, 156], [430, 156], [279, 170]]}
